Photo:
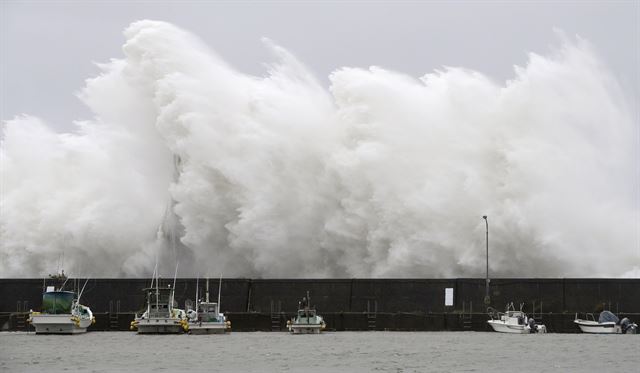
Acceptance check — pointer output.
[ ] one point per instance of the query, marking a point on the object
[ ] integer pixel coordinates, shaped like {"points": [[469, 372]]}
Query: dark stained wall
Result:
{"points": [[349, 295]]}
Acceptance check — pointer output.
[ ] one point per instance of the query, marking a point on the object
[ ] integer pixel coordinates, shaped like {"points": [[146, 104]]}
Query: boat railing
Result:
{"points": [[587, 317], [493, 313]]}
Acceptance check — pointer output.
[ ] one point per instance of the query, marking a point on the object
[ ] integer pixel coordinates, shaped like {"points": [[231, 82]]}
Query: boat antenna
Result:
{"points": [[173, 291], [219, 291], [82, 291], [157, 281], [60, 263], [197, 279], [65, 281], [155, 272]]}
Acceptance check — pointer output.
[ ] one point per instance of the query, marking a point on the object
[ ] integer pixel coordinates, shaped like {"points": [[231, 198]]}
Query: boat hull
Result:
{"points": [[594, 327], [503, 327], [305, 328], [208, 328], [58, 324], [159, 326]]}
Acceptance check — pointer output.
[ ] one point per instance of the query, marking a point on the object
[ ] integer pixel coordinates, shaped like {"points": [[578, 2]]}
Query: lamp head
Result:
{"points": [[484, 217]]}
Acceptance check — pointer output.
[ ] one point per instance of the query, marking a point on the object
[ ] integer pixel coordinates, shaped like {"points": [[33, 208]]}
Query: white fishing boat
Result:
{"points": [[607, 323], [306, 321], [206, 318], [61, 313], [161, 315], [515, 322]]}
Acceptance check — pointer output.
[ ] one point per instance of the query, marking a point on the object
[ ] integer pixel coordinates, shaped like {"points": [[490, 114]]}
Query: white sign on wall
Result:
{"points": [[448, 296]]}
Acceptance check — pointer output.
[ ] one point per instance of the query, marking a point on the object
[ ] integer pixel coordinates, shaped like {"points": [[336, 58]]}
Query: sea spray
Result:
{"points": [[381, 175]]}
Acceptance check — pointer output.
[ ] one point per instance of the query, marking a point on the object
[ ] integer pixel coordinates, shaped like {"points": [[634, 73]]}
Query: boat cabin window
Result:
{"points": [[304, 313], [57, 302]]}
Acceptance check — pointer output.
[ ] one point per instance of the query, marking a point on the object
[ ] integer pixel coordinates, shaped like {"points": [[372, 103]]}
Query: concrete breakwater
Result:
{"points": [[346, 304]]}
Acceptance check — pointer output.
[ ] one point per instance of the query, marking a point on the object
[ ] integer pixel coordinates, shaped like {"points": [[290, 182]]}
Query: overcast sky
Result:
{"points": [[48, 46]]}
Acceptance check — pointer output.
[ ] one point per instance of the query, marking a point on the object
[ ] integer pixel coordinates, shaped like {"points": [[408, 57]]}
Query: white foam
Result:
{"points": [[382, 175]]}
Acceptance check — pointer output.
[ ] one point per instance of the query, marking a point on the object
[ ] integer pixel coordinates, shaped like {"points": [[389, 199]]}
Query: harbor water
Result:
{"points": [[328, 352]]}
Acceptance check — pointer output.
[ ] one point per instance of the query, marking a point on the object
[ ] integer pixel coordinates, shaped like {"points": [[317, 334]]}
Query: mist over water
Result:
{"points": [[380, 175]]}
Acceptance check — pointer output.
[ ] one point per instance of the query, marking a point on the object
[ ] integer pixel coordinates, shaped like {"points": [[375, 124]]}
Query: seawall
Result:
{"points": [[346, 304]]}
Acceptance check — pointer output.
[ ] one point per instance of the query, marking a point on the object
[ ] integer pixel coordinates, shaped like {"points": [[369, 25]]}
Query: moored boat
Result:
{"points": [[607, 323], [161, 315], [206, 318], [61, 313], [514, 322], [306, 321]]}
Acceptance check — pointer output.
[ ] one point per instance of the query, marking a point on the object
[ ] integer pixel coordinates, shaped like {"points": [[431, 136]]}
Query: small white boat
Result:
{"points": [[306, 321], [61, 313], [607, 323], [207, 318], [515, 322]]}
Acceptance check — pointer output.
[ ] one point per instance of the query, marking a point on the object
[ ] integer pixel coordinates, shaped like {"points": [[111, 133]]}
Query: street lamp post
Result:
{"points": [[487, 298]]}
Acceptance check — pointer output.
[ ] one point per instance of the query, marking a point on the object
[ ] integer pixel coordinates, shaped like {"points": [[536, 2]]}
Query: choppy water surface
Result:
{"points": [[329, 352]]}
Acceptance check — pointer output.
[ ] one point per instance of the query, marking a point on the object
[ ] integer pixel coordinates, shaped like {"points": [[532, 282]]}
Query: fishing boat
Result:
{"points": [[61, 312], [161, 315], [306, 321], [515, 322], [608, 323], [206, 318]]}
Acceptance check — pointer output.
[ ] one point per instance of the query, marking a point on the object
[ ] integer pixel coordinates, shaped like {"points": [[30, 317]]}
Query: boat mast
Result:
{"points": [[219, 291], [157, 291], [65, 282], [197, 278], [155, 270], [173, 290], [308, 306], [207, 289], [82, 291], [153, 278]]}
